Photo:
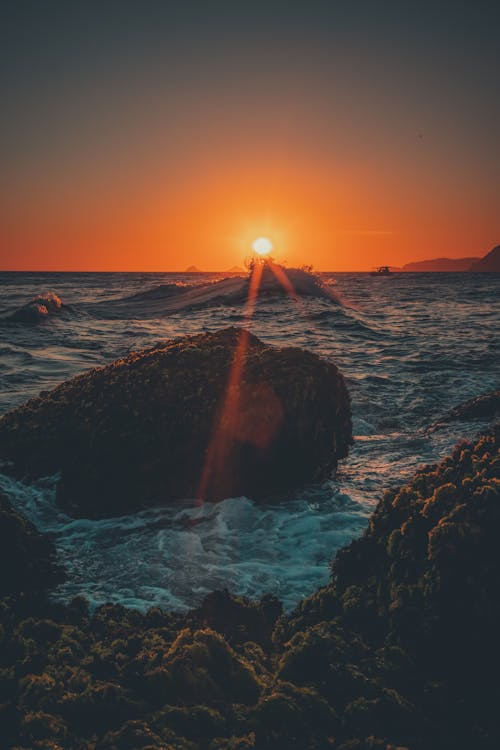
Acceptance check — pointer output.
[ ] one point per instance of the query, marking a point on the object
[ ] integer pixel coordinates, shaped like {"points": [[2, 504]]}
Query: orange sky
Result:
{"points": [[338, 220], [162, 142]]}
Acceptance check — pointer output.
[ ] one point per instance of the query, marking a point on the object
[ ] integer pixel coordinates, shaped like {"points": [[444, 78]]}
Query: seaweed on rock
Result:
{"points": [[399, 651], [139, 431]]}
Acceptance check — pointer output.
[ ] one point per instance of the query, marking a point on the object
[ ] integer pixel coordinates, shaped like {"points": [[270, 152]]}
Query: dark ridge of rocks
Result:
{"points": [[486, 406], [27, 558], [420, 589], [424, 576], [159, 425], [399, 652]]}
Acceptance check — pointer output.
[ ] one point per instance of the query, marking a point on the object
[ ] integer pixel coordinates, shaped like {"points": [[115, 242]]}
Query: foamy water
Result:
{"points": [[411, 347]]}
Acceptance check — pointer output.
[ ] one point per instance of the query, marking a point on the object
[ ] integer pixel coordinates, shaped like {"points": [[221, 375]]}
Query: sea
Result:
{"points": [[411, 347]]}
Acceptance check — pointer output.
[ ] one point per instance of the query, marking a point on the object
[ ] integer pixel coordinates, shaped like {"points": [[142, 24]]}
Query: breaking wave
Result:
{"points": [[38, 309]]}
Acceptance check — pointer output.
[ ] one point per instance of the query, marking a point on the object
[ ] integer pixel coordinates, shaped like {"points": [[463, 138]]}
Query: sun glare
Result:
{"points": [[262, 246]]}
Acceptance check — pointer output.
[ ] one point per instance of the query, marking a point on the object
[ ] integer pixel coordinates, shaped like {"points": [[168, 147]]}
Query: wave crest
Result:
{"points": [[37, 309]]}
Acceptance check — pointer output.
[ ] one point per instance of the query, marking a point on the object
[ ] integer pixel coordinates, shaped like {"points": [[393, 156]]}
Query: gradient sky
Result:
{"points": [[153, 135]]}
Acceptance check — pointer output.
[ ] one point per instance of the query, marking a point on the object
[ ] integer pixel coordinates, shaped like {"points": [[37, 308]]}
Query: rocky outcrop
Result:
{"points": [[400, 650], [424, 574], [490, 262], [206, 417], [419, 594], [27, 558]]}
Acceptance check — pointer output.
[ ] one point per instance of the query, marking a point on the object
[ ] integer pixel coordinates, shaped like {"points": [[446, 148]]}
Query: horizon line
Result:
{"points": [[55, 270]]}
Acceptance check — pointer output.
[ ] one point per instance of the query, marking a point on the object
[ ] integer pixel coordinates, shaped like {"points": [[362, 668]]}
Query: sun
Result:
{"points": [[262, 245]]}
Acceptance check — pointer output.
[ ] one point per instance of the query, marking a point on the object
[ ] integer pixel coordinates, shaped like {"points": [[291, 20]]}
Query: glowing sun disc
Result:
{"points": [[262, 246]]}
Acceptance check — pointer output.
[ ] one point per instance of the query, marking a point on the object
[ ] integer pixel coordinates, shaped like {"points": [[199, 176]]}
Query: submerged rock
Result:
{"points": [[486, 406], [207, 416]]}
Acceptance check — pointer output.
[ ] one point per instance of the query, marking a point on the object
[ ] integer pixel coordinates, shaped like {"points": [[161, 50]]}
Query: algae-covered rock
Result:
{"points": [[207, 416], [404, 641], [203, 668], [399, 651], [238, 618], [425, 574]]}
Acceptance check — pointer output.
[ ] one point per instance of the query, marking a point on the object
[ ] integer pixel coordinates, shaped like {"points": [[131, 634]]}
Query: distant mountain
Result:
{"points": [[235, 269], [192, 269], [441, 264], [490, 262]]}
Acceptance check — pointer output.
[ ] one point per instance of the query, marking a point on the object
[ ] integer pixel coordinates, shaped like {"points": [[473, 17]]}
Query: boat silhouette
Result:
{"points": [[382, 271]]}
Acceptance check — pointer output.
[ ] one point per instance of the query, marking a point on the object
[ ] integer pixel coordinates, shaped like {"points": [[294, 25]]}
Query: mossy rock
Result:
{"points": [[399, 651], [203, 668], [205, 417], [289, 716]]}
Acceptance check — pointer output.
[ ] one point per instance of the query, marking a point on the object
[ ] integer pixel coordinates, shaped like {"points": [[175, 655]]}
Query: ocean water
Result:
{"points": [[411, 347]]}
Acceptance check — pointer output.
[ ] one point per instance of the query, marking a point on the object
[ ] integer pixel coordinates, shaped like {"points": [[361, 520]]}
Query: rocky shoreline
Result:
{"points": [[400, 650]]}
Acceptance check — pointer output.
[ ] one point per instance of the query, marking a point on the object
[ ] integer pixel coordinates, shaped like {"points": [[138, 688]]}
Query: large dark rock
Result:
{"points": [[414, 604], [425, 574], [207, 416], [27, 558]]}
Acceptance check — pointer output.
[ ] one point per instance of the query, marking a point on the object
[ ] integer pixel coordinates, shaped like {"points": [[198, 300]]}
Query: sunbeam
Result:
{"points": [[224, 430], [218, 454]]}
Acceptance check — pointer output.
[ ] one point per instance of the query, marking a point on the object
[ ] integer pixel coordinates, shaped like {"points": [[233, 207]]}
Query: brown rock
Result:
{"points": [[206, 417]]}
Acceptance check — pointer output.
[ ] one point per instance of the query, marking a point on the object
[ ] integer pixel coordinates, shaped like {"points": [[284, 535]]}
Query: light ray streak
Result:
{"points": [[218, 452], [220, 442]]}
